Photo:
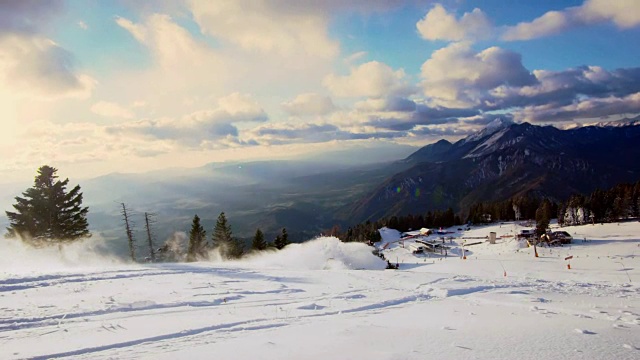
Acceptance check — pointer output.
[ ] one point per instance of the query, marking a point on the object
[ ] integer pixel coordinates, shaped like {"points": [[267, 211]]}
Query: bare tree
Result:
{"points": [[127, 223], [147, 222]]}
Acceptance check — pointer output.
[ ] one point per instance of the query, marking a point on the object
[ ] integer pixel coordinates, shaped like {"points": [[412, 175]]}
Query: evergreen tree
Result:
{"points": [[561, 213], [277, 242], [47, 213], [282, 240], [236, 250], [258, 243], [197, 241], [635, 201], [222, 239], [448, 218], [617, 208], [543, 216]]}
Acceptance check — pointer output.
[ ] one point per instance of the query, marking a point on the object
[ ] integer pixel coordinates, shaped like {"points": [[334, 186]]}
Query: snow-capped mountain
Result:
{"points": [[620, 123], [493, 127], [505, 160]]}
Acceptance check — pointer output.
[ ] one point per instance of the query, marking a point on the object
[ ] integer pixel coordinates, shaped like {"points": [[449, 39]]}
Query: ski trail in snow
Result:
{"points": [[238, 326], [178, 310]]}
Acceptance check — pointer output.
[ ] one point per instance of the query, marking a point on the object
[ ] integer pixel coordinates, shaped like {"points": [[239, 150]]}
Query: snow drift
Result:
{"points": [[324, 253], [19, 257]]}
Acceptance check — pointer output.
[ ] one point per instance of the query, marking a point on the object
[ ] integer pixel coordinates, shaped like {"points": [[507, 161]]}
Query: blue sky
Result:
{"points": [[102, 86]]}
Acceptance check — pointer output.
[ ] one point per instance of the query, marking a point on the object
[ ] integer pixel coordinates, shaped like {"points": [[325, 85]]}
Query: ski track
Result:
{"points": [[203, 306], [292, 303], [27, 283]]}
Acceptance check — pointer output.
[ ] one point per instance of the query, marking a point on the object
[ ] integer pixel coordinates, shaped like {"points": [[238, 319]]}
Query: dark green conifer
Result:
{"points": [[197, 248], [47, 212]]}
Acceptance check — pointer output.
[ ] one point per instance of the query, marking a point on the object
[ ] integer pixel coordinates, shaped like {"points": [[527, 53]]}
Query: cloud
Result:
{"points": [[109, 109], [266, 26], [438, 24], [309, 104], [283, 133], [198, 129], [84, 142], [138, 31], [624, 14], [36, 66], [495, 79], [291, 131], [587, 108], [172, 45], [26, 16], [31, 64], [198, 67], [423, 115], [83, 25], [240, 107], [436, 132], [329, 7], [139, 104], [394, 103], [456, 76], [559, 88], [355, 57], [373, 79], [285, 27]]}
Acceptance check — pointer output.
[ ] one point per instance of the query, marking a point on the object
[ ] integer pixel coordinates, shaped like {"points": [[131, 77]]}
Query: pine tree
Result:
{"points": [[282, 240], [543, 216], [197, 248], [258, 242], [47, 213], [222, 239]]}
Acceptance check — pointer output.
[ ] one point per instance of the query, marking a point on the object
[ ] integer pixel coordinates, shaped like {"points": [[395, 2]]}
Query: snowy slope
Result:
{"points": [[307, 302]]}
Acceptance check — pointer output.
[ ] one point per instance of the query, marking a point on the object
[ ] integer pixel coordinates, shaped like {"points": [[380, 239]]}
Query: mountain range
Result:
{"points": [[307, 196], [506, 160]]}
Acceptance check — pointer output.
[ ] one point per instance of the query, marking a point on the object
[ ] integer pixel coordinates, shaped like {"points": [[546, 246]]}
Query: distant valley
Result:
{"points": [[311, 195]]}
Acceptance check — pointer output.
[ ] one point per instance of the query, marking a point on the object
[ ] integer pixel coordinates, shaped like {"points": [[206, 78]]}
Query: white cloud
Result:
{"points": [[241, 107], [456, 76], [172, 45], [355, 57], [109, 109], [309, 104], [138, 104], [385, 104], [560, 88], [89, 142], [264, 26], [33, 65], [623, 13], [372, 79], [138, 31], [199, 128], [438, 24], [550, 23], [195, 70], [82, 25], [580, 109]]}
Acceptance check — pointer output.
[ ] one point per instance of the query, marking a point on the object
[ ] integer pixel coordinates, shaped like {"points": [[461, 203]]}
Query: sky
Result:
{"points": [[93, 87]]}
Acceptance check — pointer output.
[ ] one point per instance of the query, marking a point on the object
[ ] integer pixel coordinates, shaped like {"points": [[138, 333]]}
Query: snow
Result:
{"points": [[486, 146], [491, 128], [310, 301]]}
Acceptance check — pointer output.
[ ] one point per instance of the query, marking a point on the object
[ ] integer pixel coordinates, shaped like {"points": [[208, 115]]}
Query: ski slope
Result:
{"points": [[309, 301]]}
